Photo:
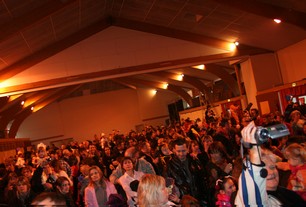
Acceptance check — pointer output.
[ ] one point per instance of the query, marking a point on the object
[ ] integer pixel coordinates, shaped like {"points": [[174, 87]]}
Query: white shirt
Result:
{"points": [[125, 181]]}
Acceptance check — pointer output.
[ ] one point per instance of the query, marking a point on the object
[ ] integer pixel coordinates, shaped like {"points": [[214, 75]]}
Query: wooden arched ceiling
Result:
{"points": [[35, 30]]}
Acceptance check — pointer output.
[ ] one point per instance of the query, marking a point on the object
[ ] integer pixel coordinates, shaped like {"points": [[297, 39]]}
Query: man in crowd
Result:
{"points": [[189, 174]]}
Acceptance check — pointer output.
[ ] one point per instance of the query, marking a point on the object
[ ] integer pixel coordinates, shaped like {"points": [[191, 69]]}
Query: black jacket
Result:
{"points": [[13, 199], [191, 181]]}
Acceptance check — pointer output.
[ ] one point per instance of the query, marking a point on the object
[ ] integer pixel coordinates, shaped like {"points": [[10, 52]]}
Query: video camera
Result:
{"points": [[262, 134]]}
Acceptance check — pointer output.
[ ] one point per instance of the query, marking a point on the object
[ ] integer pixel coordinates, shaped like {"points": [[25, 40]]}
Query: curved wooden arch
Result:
{"points": [[182, 93], [40, 103], [176, 89], [225, 76]]}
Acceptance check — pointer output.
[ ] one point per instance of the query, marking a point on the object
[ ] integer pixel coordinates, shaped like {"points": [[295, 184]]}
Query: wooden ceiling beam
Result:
{"points": [[225, 76], [179, 34], [3, 101], [12, 109], [124, 83], [18, 119], [195, 82], [114, 73], [172, 78], [53, 49], [55, 96], [176, 89], [270, 11]]}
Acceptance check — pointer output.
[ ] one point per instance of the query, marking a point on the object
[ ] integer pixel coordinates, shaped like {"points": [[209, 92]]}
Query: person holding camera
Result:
{"points": [[258, 182]]}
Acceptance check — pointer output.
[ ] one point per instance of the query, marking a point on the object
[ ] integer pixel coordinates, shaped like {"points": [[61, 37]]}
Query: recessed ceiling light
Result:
{"points": [[277, 21]]}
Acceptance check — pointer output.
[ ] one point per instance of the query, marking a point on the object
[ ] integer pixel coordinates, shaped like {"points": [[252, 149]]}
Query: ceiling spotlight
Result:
{"points": [[277, 21], [180, 77], [165, 86], [236, 43], [32, 108], [200, 67], [22, 103]]}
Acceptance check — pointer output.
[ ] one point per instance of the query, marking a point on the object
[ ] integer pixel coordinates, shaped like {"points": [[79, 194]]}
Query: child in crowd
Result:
{"points": [[296, 155], [224, 190]]}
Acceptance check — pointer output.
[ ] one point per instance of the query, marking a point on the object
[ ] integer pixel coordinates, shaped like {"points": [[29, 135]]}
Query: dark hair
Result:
{"points": [[23, 180], [27, 167], [56, 164], [179, 142], [223, 122], [124, 159], [59, 181], [218, 147], [221, 182]]}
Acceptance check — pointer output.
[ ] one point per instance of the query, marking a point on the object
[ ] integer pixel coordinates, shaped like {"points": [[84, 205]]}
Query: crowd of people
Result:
{"points": [[201, 162]]}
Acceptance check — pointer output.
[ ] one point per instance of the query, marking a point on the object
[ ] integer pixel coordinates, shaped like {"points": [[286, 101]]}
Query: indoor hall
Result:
{"points": [[75, 69]]}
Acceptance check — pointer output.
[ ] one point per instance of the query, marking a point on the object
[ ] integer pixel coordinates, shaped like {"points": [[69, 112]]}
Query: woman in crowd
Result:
{"points": [[27, 172], [195, 152], [21, 196], [98, 186], [57, 171], [62, 185], [130, 175], [152, 191], [219, 166], [207, 140]]}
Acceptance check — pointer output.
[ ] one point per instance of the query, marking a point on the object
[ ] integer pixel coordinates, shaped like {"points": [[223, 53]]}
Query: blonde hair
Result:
{"points": [[150, 190], [295, 150]]}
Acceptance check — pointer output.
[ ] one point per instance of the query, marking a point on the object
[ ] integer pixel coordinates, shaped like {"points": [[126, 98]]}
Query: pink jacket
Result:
{"points": [[90, 198]]}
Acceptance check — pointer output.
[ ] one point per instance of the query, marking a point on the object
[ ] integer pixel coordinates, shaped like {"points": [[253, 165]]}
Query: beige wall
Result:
{"points": [[82, 117], [153, 106], [249, 82], [266, 71], [293, 62]]}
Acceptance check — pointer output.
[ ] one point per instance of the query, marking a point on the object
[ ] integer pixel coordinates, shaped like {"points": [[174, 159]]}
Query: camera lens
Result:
{"points": [[262, 135]]}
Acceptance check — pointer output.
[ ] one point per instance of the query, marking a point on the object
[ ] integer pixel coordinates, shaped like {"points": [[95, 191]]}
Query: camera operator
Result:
{"points": [[258, 182]]}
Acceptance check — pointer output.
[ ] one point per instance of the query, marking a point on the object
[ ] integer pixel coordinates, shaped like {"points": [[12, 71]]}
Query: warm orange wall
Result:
{"points": [[272, 99], [293, 62], [85, 116], [266, 71]]}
